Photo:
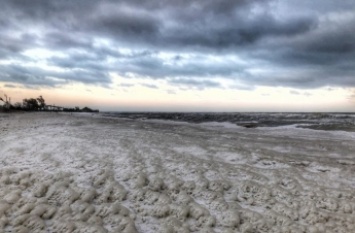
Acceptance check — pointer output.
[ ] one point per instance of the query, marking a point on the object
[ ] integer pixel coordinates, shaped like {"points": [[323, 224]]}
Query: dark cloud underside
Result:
{"points": [[185, 42]]}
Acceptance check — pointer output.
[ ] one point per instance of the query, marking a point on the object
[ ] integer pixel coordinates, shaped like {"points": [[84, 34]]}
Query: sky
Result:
{"points": [[181, 55]]}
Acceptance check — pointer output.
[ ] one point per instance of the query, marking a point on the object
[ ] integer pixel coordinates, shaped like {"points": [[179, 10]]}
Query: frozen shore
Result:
{"points": [[84, 173]]}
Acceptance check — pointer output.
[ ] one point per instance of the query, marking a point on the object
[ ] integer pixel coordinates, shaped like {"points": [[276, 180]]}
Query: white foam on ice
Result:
{"points": [[85, 173]]}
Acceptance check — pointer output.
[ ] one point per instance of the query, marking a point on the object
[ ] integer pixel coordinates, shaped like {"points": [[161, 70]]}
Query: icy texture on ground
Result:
{"points": [[80, 173]]}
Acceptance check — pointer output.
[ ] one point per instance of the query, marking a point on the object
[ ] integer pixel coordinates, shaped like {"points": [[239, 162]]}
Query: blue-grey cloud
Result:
{"points": [[304, 45], [41, 77]]}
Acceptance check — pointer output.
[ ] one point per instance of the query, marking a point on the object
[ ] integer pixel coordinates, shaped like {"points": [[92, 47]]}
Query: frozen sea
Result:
{"points": [[177, 172], [321, 121]]}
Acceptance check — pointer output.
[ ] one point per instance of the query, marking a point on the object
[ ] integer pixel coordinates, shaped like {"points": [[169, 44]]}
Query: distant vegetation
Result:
{"points": [[37, 104]]}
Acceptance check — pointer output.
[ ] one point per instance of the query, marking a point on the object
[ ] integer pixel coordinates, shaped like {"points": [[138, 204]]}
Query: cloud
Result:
{"points": [[235, 32], [61, 40], [150, 65], [190, 43], [307, 94], [10, 86], [126, 85], [190, 83], [41, 77], [151, 86], [207, 24], [123, 23]]}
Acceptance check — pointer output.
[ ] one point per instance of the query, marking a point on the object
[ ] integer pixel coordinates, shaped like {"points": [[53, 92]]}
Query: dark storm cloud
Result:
{"points": [[124, 25], [237, 33], [328, 43], [304, 50], [323, 57]]}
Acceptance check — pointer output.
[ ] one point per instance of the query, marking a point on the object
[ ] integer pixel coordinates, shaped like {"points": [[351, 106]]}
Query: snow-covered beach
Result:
{"points": [[87, 173]]}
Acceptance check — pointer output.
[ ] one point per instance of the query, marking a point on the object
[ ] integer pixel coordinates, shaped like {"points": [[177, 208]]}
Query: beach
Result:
{"points": [[83, 172]]}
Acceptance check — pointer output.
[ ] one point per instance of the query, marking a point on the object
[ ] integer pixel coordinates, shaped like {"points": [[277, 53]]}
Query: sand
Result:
{"points": [[85, 173]]}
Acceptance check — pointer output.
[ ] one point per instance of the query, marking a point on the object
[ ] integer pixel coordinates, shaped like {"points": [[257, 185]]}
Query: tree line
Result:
{"points": [[38, 104]]}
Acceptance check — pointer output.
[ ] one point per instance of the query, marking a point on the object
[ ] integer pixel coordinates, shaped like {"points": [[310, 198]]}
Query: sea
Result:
{"points": [[316, 121]]}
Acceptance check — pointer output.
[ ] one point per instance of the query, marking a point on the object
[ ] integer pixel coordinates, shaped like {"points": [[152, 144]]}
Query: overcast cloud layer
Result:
{"points": [[196, 43]]}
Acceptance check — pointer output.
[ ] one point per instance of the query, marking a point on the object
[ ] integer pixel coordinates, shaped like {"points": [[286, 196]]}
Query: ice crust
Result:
{"points": [[80, 173]]}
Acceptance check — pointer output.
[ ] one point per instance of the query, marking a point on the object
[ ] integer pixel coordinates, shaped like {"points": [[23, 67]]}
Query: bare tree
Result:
{"points": [[7, 102], [30, 104], [41, 102]]}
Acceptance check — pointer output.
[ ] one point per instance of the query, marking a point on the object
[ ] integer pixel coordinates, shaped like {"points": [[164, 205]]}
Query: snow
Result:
{"points": [[87, 173]]}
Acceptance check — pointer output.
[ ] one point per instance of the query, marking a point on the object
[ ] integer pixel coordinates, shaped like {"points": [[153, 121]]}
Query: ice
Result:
{"points": [[221, 124], [88, 173]]}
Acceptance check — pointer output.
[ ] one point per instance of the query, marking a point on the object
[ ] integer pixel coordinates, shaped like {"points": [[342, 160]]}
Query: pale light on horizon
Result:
{"points": [[138, 97]]}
